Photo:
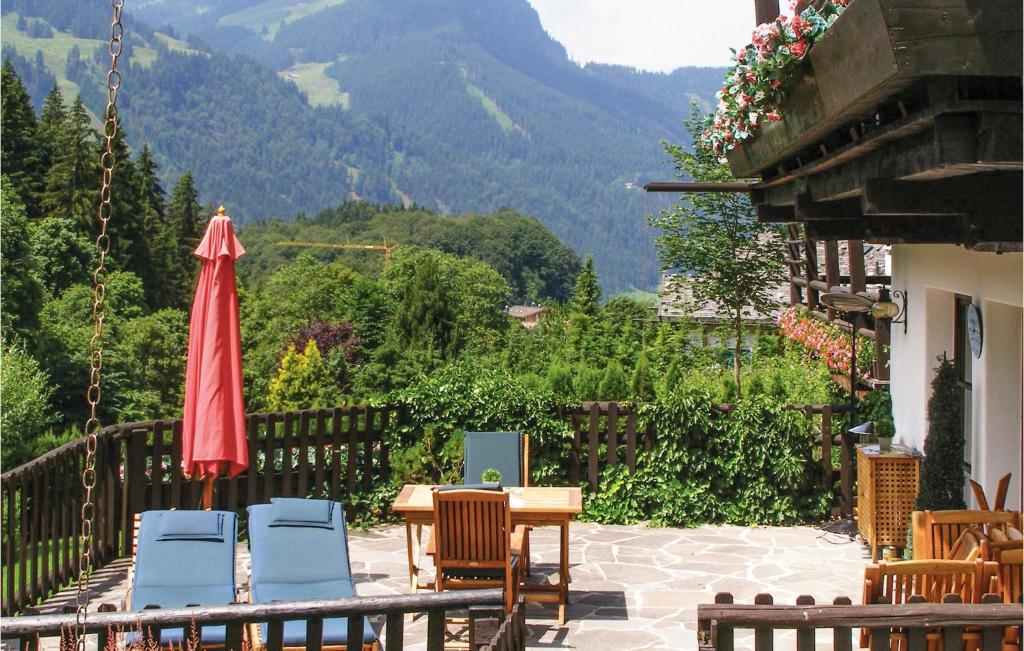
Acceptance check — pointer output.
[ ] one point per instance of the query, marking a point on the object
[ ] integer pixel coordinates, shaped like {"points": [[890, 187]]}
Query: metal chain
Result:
{"points": [[99, 312]]}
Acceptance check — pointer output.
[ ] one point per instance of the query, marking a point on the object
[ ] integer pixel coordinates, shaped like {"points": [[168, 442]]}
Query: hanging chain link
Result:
{"points": [[99, 312]]}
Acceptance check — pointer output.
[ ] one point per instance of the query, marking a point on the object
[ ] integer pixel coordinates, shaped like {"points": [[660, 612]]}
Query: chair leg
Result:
{"points": [[526, 553]]}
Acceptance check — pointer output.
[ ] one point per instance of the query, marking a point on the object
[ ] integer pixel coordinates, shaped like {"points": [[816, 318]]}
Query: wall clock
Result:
{"points": [[974, 328]]}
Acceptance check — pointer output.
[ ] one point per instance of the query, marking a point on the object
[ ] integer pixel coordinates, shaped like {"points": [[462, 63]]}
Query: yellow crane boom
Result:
{"points": [[385, 247]]}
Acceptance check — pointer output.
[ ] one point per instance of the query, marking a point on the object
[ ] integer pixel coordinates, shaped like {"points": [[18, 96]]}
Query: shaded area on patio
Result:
{"points": [[632, 586]]}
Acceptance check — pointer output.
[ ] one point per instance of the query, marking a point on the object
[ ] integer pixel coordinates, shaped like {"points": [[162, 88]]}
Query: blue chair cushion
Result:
{"points": [[335, 630], [176, 637], [192, 525], [297, 554], [502, 451], [203, 567], [299, 512]]}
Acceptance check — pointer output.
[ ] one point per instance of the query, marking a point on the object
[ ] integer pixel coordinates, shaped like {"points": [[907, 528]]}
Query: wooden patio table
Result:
{"points": [[533, 505]]}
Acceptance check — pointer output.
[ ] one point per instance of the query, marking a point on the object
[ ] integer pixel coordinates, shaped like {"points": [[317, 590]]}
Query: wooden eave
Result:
{"points": [[905, 126]]}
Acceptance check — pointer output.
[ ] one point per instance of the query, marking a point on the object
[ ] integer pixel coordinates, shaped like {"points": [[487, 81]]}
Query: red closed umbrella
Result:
{"points": [[213, 431]]}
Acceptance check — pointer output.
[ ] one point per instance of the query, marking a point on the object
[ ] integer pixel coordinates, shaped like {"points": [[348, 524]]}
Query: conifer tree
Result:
{"points": [[129, 241], [160, 240], [587, 383], [22, 292], [73, 177], [425, 316], [586, 298], [184, 229], [50, 120], [20, 153], [613, 384], [942, 472], [641, 385]]}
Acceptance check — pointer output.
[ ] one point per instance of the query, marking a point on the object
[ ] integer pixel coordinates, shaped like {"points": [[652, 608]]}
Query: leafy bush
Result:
{"points": [[754, 465], [26, 410]]}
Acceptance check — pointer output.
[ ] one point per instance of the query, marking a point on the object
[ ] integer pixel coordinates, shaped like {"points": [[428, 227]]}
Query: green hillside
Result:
{"points": [[455, 105]]}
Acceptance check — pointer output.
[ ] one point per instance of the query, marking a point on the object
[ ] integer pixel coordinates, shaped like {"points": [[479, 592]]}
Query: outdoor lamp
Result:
{"points": [[886, 309]]}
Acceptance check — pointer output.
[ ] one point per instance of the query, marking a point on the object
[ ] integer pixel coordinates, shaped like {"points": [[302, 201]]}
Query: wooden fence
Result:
{"points": [[905, 626], [30, 631], [329, 453]]}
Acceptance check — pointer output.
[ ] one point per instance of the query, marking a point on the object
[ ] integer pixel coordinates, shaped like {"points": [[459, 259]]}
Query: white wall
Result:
{"points": [[932, 275]]}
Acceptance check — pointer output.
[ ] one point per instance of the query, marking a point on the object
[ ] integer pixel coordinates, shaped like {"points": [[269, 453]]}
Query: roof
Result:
{"points": [[524, 311], [676, 302]]}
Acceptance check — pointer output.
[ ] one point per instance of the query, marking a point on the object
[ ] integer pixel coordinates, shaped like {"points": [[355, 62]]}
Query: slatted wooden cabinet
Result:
{"points": [[887, 486]]}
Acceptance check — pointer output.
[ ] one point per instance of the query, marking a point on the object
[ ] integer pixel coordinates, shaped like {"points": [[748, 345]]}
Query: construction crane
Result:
{"points": [[385, 247]]}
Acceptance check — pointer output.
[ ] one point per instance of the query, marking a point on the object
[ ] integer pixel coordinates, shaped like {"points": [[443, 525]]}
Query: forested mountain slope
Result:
{"points": [[281, 107]]}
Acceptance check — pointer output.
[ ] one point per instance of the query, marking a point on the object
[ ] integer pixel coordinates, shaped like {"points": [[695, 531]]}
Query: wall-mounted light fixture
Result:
{"points": [[886, 309]]}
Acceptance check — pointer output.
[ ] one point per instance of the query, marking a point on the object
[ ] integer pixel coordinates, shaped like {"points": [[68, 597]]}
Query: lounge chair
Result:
{"points": [[184, 558], [299, 551]]}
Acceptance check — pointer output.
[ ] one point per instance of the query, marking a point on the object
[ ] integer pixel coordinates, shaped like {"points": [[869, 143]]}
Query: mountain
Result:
{"points": [[282, 107]]}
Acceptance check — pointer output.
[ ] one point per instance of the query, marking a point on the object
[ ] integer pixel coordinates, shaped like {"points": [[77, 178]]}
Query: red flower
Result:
{"points": [[798, 48], [772, 116]]}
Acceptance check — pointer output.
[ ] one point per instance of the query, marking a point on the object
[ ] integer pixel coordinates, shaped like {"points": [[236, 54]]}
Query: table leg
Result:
{"points": [[563, 572], [413, 551]]}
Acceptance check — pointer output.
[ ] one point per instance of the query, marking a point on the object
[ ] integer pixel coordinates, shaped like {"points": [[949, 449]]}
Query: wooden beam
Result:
{"points": [[831, 268], [671, 186], [765, 11], [771, 213], [855, 250], [989, 232], [807, 209], [811, 260], [973, 194]]}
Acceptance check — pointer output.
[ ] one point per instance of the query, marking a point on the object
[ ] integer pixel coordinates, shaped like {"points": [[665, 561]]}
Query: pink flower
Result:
{"points": [[799, 48], [772, 116]]}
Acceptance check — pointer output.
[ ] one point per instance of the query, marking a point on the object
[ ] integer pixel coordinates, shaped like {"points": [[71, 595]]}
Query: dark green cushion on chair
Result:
{"points": [[502, 451]]}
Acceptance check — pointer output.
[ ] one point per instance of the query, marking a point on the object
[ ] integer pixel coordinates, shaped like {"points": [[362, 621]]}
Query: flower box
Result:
{"points": [[875, 49]]}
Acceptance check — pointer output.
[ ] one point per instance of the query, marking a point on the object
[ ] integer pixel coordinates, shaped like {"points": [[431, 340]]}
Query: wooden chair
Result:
{"points": [[473, 542], [934, 532], [1002, 488], [967, 547], [898, 583]]}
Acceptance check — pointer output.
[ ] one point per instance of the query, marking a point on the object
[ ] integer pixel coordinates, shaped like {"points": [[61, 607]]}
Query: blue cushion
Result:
{"points": [[299, 512], [192, 525], [286, 554], [335, 630], [502, 451], [176, 637], [181, 572]]}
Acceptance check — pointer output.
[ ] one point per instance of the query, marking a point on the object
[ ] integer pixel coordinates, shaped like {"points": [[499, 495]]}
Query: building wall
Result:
{"points": [[932, 275]]}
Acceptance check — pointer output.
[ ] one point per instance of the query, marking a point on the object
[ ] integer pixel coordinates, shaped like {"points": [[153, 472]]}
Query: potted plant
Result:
{"points": [[491, 476], [884, 431]]}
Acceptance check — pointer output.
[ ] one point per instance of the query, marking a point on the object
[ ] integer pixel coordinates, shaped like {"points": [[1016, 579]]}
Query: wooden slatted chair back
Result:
{"points": [[1011, 574], [473, 541], [896, 583], [934, 532], [473, 529], [967, 547]]}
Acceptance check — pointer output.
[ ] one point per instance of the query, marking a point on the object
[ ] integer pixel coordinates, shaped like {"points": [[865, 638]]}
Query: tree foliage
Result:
{"points": [[731, 260], [942, 473]]}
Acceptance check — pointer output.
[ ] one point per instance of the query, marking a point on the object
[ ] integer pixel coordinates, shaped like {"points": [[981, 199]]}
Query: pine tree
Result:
{"points": [[160, 240], [48, 131], [425, 317], [184, 229], [72, 181], [129, 243], [641, 385], [586, 298], [559, 381], [942, 472], [22, 292], [20, 152], [613, 384], [587, 383]]}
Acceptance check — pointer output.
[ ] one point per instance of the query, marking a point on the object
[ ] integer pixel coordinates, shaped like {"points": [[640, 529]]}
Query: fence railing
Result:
{"points": [[30, 631], [329, 453], [910, 624]]}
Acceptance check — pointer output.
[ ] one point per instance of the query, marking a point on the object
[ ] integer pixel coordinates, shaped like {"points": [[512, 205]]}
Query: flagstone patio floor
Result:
{"points": [[633, 587]]}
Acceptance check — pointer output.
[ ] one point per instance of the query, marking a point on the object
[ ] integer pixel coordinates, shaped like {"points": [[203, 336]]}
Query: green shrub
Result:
{"points": [[26, 412], [942, 472]]}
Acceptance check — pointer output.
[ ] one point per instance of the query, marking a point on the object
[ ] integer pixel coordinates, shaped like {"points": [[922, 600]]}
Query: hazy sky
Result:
{"points": [[650, 34]]}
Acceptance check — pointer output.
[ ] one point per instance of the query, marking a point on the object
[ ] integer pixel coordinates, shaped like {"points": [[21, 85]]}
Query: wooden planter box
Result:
{"points": [[875, 49], [887, 485]]}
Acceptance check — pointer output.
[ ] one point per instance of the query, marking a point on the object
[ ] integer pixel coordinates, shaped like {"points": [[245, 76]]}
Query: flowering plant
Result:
{"points": [[754, 83], [826, 341]]}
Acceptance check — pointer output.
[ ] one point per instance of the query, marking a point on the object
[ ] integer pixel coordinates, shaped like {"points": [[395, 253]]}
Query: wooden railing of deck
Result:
{"points": [[30, 631], [327, 453], [910, 623]]}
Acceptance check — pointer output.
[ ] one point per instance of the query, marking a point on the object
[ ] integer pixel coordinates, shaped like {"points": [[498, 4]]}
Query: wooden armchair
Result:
{"points": [[967, 547], [934, 532], [1002, 488], [897, 583], [473, 542]]}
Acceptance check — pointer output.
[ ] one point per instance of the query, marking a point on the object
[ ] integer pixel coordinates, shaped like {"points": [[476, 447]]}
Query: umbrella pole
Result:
{"points": [[208, 491]]}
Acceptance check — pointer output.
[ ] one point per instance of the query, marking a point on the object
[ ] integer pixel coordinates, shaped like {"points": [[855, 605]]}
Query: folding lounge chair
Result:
{"points": [[184, 558], [299, 551]]}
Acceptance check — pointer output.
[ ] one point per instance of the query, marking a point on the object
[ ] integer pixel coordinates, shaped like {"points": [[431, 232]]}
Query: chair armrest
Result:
{"points": [[518, 536]]}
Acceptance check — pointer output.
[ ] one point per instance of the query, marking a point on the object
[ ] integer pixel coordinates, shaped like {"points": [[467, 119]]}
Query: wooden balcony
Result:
{"points": [[903, 125]]}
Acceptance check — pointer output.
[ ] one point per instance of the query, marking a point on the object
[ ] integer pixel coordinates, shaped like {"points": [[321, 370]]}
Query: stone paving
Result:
{"points": [[632, 587]]}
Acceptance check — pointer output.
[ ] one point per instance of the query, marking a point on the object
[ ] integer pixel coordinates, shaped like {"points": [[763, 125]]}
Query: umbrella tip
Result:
{"points": [[222, 210]]}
